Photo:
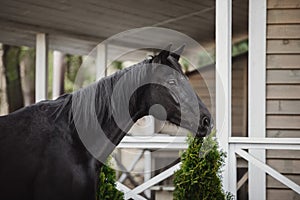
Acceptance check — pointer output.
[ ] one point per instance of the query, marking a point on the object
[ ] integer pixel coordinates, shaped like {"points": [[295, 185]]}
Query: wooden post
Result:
{"points": [[223, 85], [147, 170], [101, 61], [257, 93], [58, 74], [41, 64]]}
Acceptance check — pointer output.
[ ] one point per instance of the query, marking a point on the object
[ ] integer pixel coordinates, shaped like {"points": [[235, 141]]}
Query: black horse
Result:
{"points": [[44, 157]]}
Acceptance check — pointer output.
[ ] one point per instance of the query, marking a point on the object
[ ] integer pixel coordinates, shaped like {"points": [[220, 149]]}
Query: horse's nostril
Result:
{"points": [[205, 122]]}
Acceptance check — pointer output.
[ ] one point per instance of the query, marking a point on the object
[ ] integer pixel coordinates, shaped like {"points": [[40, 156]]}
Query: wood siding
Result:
{"points": [[283, 91], [204, 83]]}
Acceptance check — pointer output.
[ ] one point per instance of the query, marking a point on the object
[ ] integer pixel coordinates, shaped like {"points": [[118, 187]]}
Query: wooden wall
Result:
{"points": [[283, 91], [204, 84]]}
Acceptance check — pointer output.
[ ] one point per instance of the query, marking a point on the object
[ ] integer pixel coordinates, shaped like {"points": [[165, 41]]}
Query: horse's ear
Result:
{"points": [[163, 55], [177, 53]]}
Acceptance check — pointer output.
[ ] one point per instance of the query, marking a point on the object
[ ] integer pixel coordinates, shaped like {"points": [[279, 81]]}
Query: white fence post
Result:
{"points": [[101, 61], [147, 170], [41, 67], [257, 93], [58, 74], [223, 81]]}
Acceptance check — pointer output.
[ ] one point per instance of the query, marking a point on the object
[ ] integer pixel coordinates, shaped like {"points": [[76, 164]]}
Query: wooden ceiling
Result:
{"points": [[77, 26]]}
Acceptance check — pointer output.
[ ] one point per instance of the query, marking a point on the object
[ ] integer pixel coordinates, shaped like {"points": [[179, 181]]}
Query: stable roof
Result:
{"points": [[77, 26]]}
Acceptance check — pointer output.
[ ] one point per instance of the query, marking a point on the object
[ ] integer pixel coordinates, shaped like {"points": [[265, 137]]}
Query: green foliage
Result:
{"points": [[11, 66], [199, 176], [107, 186], [184, 63], [206, 58], [240, 48], [117, 65], [11, 62], [73, 64]]}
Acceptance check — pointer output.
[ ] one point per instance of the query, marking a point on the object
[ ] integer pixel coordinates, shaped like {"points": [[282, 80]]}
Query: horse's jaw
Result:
{"points": [[191, 125]]}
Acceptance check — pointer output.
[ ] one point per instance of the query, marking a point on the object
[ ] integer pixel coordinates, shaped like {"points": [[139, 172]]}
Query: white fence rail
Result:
{"points": [[237, 146], [155, 142]]}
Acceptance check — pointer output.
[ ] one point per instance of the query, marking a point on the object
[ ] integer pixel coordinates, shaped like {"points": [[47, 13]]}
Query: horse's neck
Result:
{"points": [[119, 103], [104, 111], [110, 104]]}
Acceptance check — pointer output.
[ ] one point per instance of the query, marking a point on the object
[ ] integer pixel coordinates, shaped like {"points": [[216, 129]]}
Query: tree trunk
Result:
{"points": [[3, 97], [27, 68], [13, 79]]}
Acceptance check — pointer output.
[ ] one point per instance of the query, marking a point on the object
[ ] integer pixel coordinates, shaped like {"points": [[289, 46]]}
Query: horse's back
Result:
{"points": [[20, 151], [40, 160]]}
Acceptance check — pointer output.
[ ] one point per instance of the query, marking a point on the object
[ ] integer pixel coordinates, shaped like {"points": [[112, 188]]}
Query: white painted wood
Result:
{"points": [[58, 73], [155, 145], [257, 93], [147, 170], [163, 175], [232, 173], [127, 192], [171, 142], [101, 61], [262, 166], [41, 67], [132, 165], [223, 80], [155, 142], [269, 146], [242, 181], [155, 139], [265, 143]]}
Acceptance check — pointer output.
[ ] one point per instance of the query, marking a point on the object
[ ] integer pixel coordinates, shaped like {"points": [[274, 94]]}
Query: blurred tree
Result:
{"points": [[73, 64], [3, 98], [118, 65], [11, 55], [27, 69]]}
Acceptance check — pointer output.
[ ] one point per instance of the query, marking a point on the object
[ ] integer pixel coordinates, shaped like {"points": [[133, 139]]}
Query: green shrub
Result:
{"points": [[107, 184], [199, 176]]}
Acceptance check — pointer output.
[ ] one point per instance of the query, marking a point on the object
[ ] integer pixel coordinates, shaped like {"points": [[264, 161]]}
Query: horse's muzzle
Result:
{"points": [[205, 126]]}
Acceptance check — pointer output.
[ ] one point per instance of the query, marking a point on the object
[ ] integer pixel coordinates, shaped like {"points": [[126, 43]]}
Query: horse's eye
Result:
{"points": [[172, 82]]}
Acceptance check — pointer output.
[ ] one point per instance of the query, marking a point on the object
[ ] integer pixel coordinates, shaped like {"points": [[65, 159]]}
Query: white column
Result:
{"points": [[58, 73], [41, 67], [257, 93], [223, 81], [147, 170], [101, 61]]}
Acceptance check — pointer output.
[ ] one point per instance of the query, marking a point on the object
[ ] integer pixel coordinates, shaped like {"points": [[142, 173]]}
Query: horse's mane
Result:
{"points": [[103, 88]]}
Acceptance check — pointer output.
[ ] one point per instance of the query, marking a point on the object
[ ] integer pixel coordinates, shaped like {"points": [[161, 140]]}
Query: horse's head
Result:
{"points": [[173, 92]]}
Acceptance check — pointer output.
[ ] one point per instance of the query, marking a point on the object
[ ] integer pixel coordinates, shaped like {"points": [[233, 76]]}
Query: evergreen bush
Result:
{"points": [[107, 184], [199, 176]]}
